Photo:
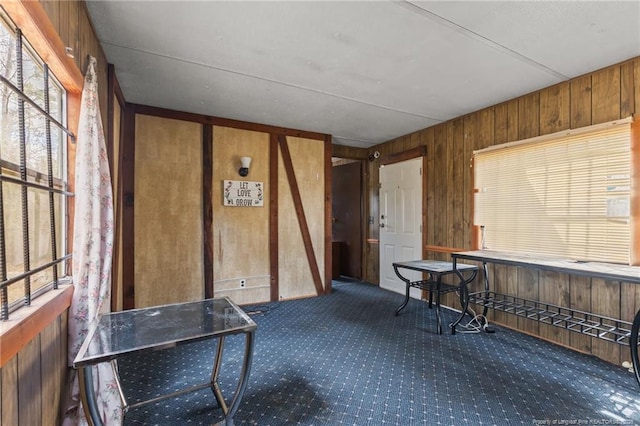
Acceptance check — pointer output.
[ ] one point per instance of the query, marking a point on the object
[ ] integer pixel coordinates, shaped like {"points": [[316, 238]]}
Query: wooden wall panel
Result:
{"points": [[53, 355], [9, 384], [371, 190], [53, 12], [470, 135], [372, 271], [513, 114], [529, 116], [72, 22], [414, 141], [627, 94], [241, 240], [63, 369], [511, 286], [601, 96], [30, 382], [581, 101], [455, 172], [168, 211], [223, 156], [605, 300], [33, 382], [606, 91], [371, 233], [291, 269], [441, 156], [70, 27], [342, 151], [501, 124], [486, 129], [580, 299], [555, 108], [554, 288], [294, 272], [67, 13], [428, 140], [528, 288]]}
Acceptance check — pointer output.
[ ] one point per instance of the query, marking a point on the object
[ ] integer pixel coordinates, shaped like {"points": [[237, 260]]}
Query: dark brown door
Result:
{"points": [[347, 218]]}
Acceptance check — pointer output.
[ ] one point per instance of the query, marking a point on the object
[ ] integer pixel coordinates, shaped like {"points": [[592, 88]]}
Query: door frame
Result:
{"points": [[410, 154], [363, 222]]}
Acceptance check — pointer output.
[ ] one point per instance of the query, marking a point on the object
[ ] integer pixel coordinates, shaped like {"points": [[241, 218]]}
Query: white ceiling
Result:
{"points": [[363, 71]]}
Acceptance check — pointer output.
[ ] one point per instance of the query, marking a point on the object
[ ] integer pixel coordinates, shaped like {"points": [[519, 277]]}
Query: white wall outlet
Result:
{"points": [[243, 283]]}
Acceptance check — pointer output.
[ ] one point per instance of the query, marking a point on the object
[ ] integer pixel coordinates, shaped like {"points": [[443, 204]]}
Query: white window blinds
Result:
{"points": [[567, 195]]}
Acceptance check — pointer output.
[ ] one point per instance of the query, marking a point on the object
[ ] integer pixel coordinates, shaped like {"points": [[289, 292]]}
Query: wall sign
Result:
{"points": [[240, 193]]}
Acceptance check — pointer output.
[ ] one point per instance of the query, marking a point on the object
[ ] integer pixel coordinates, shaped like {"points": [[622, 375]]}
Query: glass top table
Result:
{"points": [[118, 334], [436, 270]]}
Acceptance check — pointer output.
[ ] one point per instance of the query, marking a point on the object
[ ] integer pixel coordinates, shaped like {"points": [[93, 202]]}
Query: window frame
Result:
{"points": [[29, 321], [29, 178]]}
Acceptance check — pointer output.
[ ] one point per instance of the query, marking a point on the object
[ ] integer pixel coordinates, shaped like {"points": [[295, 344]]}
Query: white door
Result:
{"points": [[400, 222]]}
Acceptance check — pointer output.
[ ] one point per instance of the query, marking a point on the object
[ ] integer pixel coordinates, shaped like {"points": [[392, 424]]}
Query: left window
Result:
{"points": [[33, 175]]}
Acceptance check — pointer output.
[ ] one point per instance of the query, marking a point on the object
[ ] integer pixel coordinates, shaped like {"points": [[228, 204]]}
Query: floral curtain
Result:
{"points": [[92, 252]]}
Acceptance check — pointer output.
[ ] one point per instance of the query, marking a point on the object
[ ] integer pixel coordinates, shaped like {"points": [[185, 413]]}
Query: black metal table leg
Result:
{"points": [[406, 297], [485, 271], [633, 344], [464, 302], [438, 319], [464, 295]]}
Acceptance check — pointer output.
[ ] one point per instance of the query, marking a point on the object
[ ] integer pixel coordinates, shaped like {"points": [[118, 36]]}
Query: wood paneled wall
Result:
{"points": [[295, 272], [240, 234], [168, 211], [601, 96], [71, 20], [350, 152], [33, 382], [226, 243]]}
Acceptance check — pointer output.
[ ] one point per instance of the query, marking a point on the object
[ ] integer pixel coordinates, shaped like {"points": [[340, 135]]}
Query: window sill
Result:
{"points": [[27, 322]]}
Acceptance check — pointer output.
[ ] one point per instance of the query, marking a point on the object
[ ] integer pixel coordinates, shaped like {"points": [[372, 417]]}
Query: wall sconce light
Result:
{"points": [[244, 168], [374, 156]]}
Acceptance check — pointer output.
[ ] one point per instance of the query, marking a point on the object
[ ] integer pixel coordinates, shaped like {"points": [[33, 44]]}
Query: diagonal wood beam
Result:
{"points": [[302, 220]]}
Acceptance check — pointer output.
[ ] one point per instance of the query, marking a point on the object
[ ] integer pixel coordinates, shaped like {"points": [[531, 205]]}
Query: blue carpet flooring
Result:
{"points": [[345, 359]]}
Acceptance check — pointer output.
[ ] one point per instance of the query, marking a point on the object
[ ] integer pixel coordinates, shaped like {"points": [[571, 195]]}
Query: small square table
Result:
{"points": [[117, 334], [433, 284]]}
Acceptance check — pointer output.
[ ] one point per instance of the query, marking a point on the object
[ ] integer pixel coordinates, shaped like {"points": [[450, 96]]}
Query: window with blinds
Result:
{"points": [[566, 195]]}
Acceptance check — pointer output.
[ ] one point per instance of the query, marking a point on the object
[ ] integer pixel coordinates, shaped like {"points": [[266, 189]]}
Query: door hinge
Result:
{"points": [[420, 171]]}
